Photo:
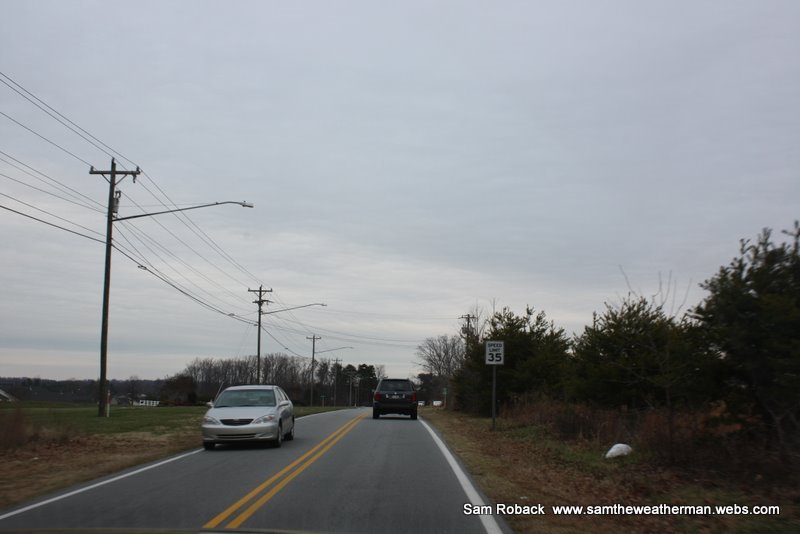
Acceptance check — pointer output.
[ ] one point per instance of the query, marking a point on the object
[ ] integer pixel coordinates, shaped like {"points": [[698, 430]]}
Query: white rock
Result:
{"points": [[620, 449]]}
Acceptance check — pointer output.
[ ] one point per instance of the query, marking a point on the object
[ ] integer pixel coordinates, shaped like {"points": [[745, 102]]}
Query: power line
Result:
{"points": [[181, 290], [140, 235], [52, 214], [69, 190], [45, 192], [53, 225], [143, 238], [189, 247], [139, 263], [206, 239], [37, 134], [33, 99], [368, 338], [100, 145]]}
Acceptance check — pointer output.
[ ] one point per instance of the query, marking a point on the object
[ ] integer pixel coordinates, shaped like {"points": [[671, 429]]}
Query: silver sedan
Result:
{"points": [[249, 413]]}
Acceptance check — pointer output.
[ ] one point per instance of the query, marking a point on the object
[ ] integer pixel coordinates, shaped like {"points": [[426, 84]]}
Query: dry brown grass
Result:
{"points": [[522, 464], [45, 465]]}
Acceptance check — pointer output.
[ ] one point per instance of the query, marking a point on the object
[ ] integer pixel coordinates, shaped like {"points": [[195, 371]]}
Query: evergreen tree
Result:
{"points": [[752, 317]]}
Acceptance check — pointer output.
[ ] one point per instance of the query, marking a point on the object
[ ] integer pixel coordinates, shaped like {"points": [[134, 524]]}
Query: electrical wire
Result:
{"points": [[189, 247], [43, 191], [37, 134], [52, 214], [69, 190], [208, 239], [39, 103], [143, 238], [53, 225], [105, 148], [185, 220], [180, 289]]}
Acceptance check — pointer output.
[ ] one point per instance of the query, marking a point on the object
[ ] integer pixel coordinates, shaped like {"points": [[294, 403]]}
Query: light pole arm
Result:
{"points": [[330, 350], [294, 308], [242, 204]]}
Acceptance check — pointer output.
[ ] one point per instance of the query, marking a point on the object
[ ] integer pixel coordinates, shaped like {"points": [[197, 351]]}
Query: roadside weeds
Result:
{"points": [[524, 466], [43, 468]]}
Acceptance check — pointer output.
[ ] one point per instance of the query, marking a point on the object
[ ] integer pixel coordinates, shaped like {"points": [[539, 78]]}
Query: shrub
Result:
{"points": [[14, 429]]}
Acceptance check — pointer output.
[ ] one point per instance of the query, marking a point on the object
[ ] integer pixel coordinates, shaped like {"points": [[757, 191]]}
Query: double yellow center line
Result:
{"points": [[285, 475]]}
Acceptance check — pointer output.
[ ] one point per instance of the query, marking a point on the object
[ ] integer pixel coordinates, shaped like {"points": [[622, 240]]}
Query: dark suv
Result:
{"points": [[394, 395]]}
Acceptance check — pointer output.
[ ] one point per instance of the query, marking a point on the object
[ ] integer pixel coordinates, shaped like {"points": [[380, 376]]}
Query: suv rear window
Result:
{"points": [[396, 385]]}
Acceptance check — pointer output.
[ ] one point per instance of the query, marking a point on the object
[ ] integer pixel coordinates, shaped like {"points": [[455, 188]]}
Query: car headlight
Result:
{"points": [[208, 420], [263, 419]]}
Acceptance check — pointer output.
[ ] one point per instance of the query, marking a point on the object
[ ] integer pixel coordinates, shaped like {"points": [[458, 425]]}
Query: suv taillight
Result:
{"points": [[377, 396], [414, 397]]}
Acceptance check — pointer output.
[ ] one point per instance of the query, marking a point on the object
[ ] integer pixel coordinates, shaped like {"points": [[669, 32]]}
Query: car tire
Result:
{"points": [[375, 414], [413, 415], [289, 436], [278, 441], [209, 445]]}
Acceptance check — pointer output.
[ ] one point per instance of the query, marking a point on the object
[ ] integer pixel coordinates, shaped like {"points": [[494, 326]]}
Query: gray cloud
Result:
{"points": [[407, 162]]}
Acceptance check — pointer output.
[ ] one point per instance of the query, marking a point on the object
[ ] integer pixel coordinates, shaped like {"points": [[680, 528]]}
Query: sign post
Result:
{"points": [[495, 355]]}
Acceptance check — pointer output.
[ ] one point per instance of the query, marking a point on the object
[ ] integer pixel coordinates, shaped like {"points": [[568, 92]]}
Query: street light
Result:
{"points": [[242, 204], [335, 375], [113, 205]]}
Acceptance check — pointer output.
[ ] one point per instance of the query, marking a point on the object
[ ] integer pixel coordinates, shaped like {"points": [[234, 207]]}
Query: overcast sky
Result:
{"points": [[408, 161]]}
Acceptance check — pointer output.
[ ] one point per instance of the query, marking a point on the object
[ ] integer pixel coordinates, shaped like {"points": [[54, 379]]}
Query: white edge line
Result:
{"points": [[97, 485], [489, 522]]}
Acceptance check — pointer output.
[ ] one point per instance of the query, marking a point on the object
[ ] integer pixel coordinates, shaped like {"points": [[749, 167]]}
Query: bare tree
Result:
{"points": [[380, 371], [441, 356]]}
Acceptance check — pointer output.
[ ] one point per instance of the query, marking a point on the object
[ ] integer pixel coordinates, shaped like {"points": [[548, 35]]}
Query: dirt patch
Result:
{"points": [[42, 468]]}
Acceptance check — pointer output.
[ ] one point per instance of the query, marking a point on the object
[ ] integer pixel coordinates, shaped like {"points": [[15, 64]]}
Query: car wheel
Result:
{"points": [[278, 441], [413, 415], [289, 436], [375, 414], [209, 445]]}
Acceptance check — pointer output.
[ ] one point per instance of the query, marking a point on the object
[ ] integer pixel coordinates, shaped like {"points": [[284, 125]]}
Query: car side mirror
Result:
{"points": [[210, 404]]}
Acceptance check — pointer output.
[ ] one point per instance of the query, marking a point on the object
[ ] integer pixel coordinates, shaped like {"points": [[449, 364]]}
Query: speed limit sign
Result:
{"points": [[494, 352]]}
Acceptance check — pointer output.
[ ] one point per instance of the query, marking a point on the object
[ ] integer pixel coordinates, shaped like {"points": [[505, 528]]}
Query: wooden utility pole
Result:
{"points": [[261, 301], [336, 370], [113, 205], [313, 339]]}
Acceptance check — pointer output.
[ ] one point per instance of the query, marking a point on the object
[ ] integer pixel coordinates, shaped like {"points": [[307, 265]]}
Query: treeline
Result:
{"points": [[726, 371], [333, 384], [79, 391]]}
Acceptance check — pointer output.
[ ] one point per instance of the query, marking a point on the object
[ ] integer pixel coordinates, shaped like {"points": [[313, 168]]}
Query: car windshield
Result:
{"points": [[229, 399]]}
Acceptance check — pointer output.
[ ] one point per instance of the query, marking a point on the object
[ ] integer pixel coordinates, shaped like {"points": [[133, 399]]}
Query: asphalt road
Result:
{"points": [[344, 472]]}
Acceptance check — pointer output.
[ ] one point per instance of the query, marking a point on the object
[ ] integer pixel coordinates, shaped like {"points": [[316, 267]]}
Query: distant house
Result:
{"points": [[121, 400], [6, 397]]}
